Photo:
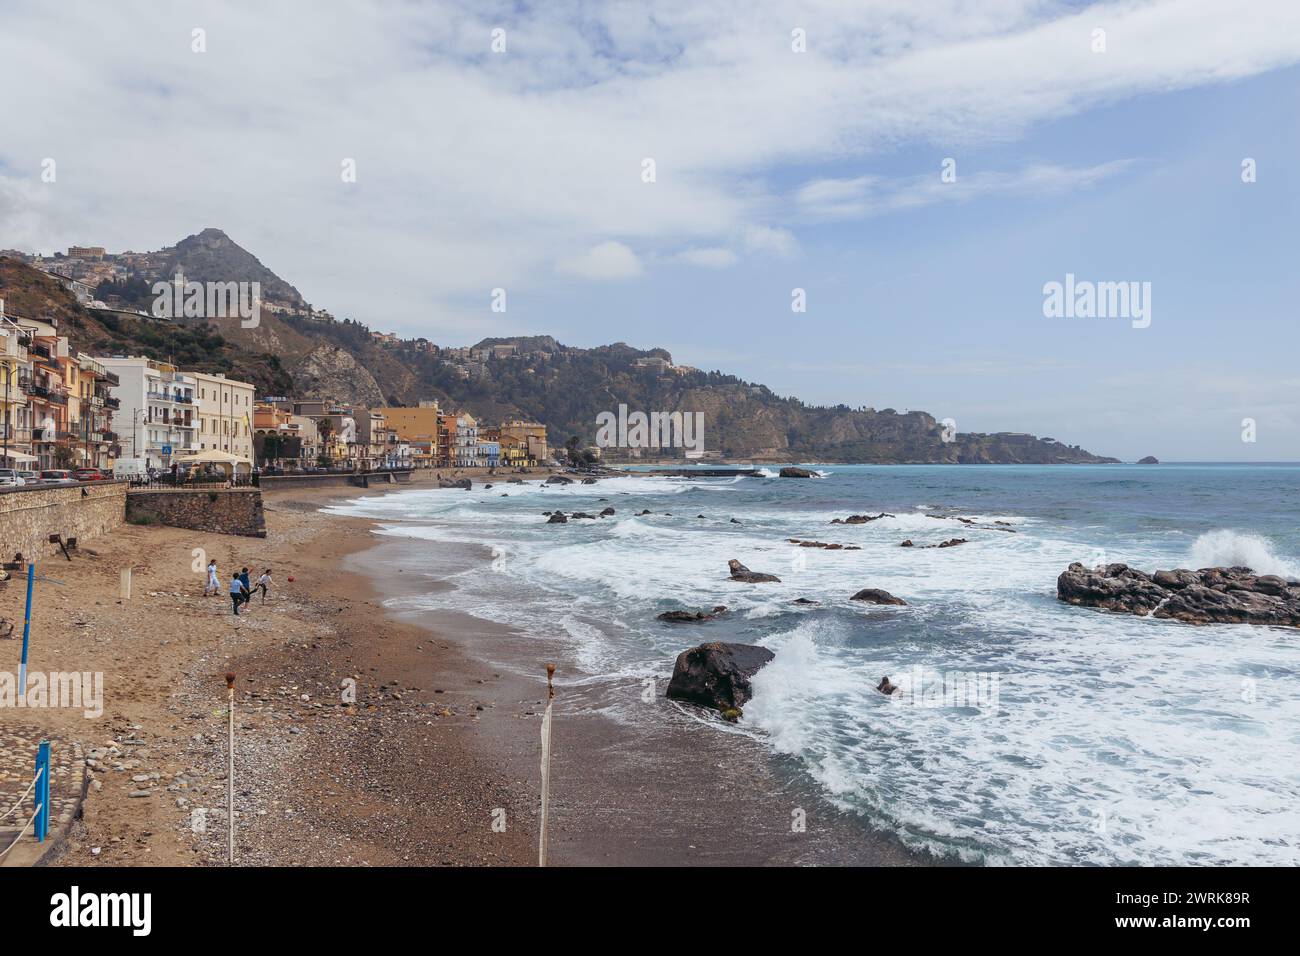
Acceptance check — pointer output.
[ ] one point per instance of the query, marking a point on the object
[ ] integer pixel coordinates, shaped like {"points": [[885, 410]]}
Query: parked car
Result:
{"points": [[31, 477], [90, 474], [9, 478], [57, 476]]}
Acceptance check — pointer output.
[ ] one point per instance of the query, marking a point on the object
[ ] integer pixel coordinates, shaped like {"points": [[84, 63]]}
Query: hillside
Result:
{"points": [[297, 354]]}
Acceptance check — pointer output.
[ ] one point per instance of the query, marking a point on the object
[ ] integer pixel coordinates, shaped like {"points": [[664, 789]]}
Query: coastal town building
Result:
{"points": [[156, 410], [225, 414]]}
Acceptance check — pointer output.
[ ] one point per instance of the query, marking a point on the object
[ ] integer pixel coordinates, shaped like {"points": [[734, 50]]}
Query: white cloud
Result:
{"points": [[474, 167], [862, 196], [607, 260]]}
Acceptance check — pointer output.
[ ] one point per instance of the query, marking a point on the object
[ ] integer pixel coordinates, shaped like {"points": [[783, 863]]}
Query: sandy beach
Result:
{"points": [[435, 761]]}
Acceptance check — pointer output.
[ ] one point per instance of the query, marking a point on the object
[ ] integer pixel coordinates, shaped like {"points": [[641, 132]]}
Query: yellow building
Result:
{"points": [[413, 423], [225, 411], [530, 436]]}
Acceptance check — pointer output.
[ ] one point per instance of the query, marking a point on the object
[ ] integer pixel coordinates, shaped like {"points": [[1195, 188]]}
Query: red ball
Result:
{"points": [[291, 577]]}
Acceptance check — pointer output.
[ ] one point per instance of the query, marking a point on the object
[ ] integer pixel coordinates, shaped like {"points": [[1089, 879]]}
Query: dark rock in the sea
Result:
{"points": [[1149, 460], [582, 514], [907, 544], [792, 472], [735, 521], [693, 617], [741, 573], [589, 481], [861, 519], [557, 518], [1208, 596], [645, 512], [606, 512], [559, 480], [805, 601], [950, 543], [886, 687], [699, 516], [877, 596], [487, 486], [824, 545], [515, 481], [717, 675]]}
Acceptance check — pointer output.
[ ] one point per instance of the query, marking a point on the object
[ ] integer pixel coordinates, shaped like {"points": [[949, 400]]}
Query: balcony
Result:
{"points": [[111, 402]]}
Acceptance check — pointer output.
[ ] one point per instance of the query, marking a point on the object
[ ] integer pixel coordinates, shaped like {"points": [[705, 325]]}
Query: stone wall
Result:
{"points": [[222, 510], [367, 479], [29, 515]]}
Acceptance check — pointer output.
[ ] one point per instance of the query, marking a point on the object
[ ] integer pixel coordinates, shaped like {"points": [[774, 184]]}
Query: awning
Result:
{"points": [[212, 457], [18, 456]]}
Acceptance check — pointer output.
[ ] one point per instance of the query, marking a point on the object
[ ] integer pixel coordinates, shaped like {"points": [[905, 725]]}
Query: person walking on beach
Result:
{"points": [[214, 583], [248, 588], [262, 584], [236, 592]]}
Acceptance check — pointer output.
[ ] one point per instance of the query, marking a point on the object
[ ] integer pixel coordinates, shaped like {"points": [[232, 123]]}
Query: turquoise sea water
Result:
{"points": [[1074, 736]]}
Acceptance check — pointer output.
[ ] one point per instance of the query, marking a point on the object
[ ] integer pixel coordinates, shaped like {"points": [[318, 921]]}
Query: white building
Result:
{"points": [[465, 450], [156, 418]]}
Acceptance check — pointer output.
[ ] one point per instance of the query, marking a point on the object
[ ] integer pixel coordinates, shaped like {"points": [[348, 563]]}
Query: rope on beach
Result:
{"points": [[30, 821], [35, 780]]}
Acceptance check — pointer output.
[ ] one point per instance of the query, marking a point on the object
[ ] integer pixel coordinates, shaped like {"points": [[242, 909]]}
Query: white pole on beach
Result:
{"points": [[230, 776], [546, 764]]}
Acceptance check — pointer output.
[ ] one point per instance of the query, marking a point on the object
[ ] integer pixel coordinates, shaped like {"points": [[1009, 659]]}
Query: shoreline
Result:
{"points": [[665, 791], [438, 749]]}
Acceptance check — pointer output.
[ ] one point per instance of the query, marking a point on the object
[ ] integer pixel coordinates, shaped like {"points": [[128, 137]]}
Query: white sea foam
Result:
{"points": [[1117, 739], [1226, 549]]}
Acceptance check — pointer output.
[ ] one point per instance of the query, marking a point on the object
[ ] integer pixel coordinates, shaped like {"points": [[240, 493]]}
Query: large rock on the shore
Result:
{"points": [[1209, 596], [877, 596], [558, 480], [463, 483], [741, 573], [1149, 460], [717, 675], [791, 472]]}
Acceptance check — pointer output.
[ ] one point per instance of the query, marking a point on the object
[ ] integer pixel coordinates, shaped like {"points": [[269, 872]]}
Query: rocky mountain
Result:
{"points": [[212, 256], [532, 377]]}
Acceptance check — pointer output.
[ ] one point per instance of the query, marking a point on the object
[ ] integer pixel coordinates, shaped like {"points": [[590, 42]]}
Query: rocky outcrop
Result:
{"points": [[877, 596], [717, 675], [693, 617], [823, 544], [463, 483], [1209, 596], [606, 512], [1149, 460], [331, 371], [861, 519], [557, 518], [792, 472], [741, 573]]}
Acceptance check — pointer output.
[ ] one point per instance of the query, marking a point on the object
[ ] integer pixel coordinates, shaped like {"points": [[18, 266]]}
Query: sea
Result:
{"points": [[1025, 731]]}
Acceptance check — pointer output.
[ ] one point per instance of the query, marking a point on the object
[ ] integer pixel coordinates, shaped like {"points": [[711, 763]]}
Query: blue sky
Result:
{"points": [[775, 170]]}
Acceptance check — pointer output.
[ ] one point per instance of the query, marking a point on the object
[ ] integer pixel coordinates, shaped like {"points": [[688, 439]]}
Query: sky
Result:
{"points": [[794, 146]]}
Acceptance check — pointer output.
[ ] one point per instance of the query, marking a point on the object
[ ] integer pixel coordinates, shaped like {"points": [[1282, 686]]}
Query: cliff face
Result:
{"points": [[330, 371], [567, 388]]}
